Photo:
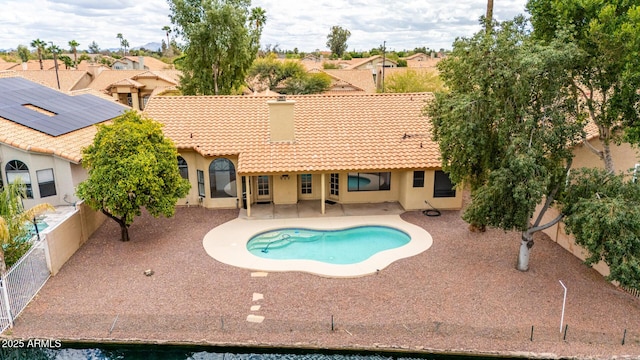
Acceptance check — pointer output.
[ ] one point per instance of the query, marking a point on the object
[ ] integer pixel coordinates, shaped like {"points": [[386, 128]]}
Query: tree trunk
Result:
{"points": [[606, 157], [124, 232], [525, 249], [3, 265], [489, 17], [124, 228]]}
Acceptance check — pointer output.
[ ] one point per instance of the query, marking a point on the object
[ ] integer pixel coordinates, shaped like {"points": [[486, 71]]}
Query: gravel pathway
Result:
{"points": [[463, 294]]}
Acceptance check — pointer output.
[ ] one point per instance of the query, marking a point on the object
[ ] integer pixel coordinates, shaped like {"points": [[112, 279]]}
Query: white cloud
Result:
{"points": [[290, 23]]}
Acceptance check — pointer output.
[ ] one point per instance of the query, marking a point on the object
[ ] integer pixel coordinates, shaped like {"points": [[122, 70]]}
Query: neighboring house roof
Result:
{"points": [[47, 64], [68, 78], [150, 63], [8, 65], [362, 79], [107, 78], [369, 60], [332, 133], [69, 145], [418, 55]]}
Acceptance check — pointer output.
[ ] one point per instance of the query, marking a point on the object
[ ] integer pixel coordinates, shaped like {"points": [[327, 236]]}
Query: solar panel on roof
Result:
{"points": [[70, 112]]}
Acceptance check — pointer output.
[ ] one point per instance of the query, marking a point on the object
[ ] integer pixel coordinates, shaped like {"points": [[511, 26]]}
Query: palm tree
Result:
{"points": [[119, 37], [13, 217], [74, 48], [258, 17], [489, 16], [125, 45], [39, 46], [167, 30]]}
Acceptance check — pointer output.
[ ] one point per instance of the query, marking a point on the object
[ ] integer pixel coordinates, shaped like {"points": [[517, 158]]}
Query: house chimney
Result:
{"points": [[281, 124], [141, 62]]}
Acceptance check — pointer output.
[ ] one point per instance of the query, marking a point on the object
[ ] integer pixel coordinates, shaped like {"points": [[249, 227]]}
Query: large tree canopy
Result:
{"points": [[602, 211], [606, 70], [222, 39], [131, 165], [502, 126], [289, 77]]}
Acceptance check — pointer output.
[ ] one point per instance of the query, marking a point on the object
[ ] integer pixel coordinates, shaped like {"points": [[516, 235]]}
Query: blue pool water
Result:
{"points": [[347, 246], [358, 182]]}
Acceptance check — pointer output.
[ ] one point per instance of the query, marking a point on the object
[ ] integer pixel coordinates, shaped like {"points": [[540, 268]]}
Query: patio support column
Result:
{"points": [[322, 193], [248, 187]]}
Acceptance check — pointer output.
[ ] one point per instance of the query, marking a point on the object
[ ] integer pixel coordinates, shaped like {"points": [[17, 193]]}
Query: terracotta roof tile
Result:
{"points": [[355, 132]]}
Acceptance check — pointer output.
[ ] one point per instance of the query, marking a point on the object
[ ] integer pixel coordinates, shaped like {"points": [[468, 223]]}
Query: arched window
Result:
{"points": [[16, 169], [183, 168], [222, 178]]}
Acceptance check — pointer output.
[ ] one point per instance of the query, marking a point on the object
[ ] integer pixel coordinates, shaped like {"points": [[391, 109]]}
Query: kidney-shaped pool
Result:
{"points": [[346, 246]]}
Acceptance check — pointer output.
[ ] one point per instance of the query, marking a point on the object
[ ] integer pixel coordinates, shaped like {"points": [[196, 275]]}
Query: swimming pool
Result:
{"points": [[227, 243], [346, 246]]}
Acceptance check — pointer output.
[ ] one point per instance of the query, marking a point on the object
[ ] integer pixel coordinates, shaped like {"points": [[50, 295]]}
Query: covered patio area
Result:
{"points": [[311, 208]]}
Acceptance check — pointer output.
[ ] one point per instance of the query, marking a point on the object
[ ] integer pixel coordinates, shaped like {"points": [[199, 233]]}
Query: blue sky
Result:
{"points": [[290, 23]]}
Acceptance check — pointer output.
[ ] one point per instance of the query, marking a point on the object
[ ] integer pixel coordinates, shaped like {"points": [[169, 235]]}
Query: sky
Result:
{"points": [[302, 24]]}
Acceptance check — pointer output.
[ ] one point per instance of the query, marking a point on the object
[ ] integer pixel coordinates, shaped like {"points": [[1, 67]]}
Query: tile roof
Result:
{"points": [[332, 132], [68, 146], [106, 78], [151, 63], [363, 79], [68, 78]]}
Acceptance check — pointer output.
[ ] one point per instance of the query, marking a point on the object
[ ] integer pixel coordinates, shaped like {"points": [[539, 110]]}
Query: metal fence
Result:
{"points": [[22, 282]]}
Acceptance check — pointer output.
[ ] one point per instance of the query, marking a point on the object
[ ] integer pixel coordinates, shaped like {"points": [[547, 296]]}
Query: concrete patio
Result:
{"points": [[311, 208]]}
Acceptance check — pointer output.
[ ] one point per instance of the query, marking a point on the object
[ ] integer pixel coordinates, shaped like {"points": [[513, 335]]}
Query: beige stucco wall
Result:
{"points": [[67, 237], [281, 125], [624, 156], [285, 189], [414, 198], [557, 233], [62, 173], [196, 162]]}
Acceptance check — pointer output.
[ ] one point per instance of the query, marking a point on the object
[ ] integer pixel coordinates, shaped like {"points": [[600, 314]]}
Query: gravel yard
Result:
{"points": [[463, 294]]}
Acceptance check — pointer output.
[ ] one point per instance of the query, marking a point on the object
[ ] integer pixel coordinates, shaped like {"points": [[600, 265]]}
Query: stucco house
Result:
{"points": [[140, 63], [363, 148], [42, 133]]}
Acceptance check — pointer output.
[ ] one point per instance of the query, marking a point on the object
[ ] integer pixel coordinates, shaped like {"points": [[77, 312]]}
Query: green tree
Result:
{"points": [[131, 165], [94, 48], [68, 63], [413, 81], [601, 208], [23, 53], [39, 45], [602, 212], [502, 127], [13, 221], [269, 72], [337, 40], [606, 74], [307, 83], [222, 41], [74, 49]]}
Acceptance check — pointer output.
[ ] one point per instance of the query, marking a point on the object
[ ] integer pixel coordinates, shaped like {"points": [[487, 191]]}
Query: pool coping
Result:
{"points": [[227, 243]]}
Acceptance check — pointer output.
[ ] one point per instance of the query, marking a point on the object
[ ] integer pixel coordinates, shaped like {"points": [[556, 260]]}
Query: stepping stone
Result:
{"points": [[257, 296], [259, 274], [255, 307], [255, 318]]}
